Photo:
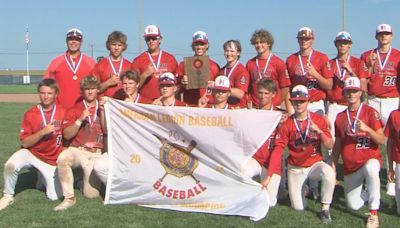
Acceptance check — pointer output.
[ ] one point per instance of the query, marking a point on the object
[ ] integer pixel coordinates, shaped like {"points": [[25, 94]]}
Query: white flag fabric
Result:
{"points": [[186, 159]]}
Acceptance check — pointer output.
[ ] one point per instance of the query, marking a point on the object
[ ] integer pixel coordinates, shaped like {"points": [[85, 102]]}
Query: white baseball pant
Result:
{"points": [[101, 168], [252, 169], [74, 157], [24, 159], [353, 184], [297, 176]]}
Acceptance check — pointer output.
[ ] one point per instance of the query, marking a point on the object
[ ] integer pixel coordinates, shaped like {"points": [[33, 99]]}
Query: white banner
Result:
{"points": [[186, 159]]}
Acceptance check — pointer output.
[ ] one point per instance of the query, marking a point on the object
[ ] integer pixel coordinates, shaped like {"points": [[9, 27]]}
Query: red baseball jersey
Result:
{"points": [[192, 96], [276, 71], [321, 64], [335, 95], [263, 154], [238, 78], [103, 71], [50, 146], [392, 131], [166, 63], [90, 133], [69, 85], [382, 80], [357, 147], [302, 154], [179, 103]]}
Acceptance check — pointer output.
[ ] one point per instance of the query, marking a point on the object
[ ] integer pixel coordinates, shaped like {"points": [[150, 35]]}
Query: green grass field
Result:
{"points": [[32, 209], [18, 89]]}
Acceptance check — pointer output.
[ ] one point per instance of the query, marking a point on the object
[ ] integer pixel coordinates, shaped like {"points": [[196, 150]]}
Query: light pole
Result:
{"points": [[343, 15], [139, 26], [27, 78]]}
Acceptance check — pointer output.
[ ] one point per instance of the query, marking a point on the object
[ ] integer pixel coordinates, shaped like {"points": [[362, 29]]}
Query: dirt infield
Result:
{"points": [[19, 98]]}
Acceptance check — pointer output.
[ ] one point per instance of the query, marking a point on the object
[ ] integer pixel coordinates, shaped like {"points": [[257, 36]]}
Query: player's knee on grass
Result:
{"points": [[9, 168]]}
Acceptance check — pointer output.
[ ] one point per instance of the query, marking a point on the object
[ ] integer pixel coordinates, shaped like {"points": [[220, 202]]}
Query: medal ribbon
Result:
{"points": [[71, 64], [158, 60], [352, 124], [119, 67], [44, 117], [342, 72], [386, 58], [95, 112], [260, 75], [232, 69], [303, 136], [301, 61], [226, 106]]}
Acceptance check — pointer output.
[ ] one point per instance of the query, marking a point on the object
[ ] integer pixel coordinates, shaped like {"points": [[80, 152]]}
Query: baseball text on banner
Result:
{"points": [[186, 159]]}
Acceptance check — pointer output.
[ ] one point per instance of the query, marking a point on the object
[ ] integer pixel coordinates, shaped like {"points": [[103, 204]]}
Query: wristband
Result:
{"points": [[78, 122]]}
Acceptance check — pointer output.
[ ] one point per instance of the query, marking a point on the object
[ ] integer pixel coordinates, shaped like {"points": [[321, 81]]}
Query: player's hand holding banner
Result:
{"points": [[186, 159]]}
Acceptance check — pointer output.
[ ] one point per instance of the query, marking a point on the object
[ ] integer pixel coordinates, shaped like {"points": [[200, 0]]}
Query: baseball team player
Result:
{"points": [[40, 137], [303, 133], [68, 69], [310, 68], [343, 65], [83, 127], [267, 65], [200, 45], [168, 88], [152, 63], [392, 132], [259, 164], [108, 70], [220, 93], [383, 66], [359, 133], [237, 74]]}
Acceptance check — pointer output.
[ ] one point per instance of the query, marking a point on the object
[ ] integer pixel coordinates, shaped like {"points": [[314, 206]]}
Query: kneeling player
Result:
{"points": [[84, 124], [220, 93], [304, 132], [359, 132], [40, 137]]}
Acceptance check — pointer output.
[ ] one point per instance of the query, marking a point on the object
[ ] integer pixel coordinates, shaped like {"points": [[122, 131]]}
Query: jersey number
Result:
{"points": [[58, 140], [363, 143], [312, 84], [390, 81]]}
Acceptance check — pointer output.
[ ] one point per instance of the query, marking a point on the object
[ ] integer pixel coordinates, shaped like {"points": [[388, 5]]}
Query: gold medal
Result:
{"points": [[304, 148], [75, 77]]}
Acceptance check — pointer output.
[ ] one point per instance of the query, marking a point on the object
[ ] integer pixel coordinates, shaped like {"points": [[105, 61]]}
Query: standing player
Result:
{"points": [[108, 70], [267, 65], [152, 63], [304, 132], [392, 132], [220, 93], [383, 66], [40, 137], [168, 89], [359, 132], [310, 68], [343, 66], [237, 74], [200, 45], [83, 126], [68, 69]]}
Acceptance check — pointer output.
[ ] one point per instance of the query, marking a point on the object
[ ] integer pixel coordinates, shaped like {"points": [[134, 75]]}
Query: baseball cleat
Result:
{"points": [[6, 201], [66, 203], [373, 221], [325, 217]]}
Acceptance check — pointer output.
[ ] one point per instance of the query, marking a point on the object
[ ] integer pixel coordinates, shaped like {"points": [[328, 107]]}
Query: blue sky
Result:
{"points": [[49, 20]]}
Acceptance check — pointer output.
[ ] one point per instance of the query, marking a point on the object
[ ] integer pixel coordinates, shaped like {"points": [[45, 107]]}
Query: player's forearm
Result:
{"points": [[237, 93], [336, 151], [325, 83], [71, 131], [32, 139], [389, 153], [377, 136]]}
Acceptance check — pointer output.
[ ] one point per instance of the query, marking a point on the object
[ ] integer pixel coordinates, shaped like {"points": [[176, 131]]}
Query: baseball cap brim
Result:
{"points": [[221, 88]]}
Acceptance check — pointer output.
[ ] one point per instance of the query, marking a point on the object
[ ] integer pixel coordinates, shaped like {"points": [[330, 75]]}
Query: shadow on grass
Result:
{"points": [[26, 180]]}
